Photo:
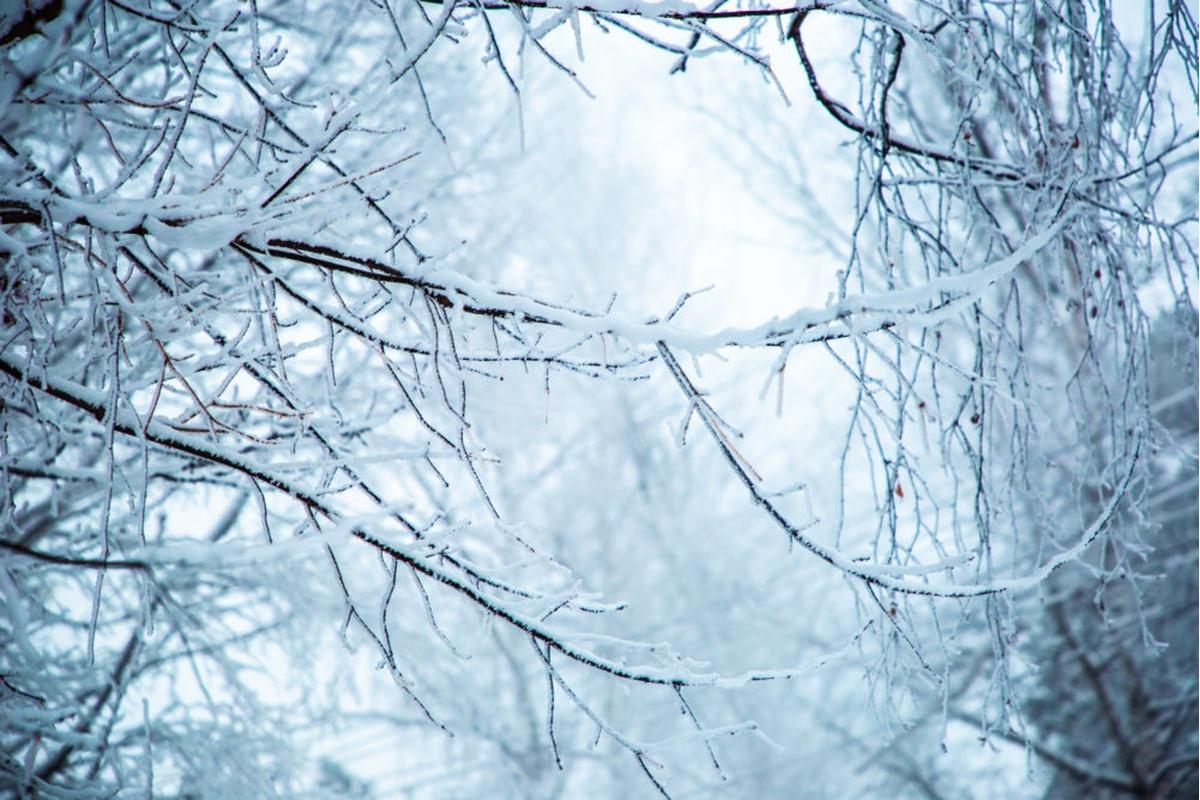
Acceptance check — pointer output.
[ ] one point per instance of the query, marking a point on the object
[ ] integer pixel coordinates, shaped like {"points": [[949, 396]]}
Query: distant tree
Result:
{"points": [[1113, 710]]}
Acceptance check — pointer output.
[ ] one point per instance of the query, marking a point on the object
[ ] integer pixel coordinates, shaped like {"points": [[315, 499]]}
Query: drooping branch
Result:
{"points": [[887, 576], [93, 403]]}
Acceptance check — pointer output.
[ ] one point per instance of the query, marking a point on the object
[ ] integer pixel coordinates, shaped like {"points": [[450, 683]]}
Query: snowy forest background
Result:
{"points": [[613, 399]]}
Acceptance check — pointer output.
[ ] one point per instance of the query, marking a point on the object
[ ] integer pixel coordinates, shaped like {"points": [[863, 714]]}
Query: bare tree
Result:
{"points": [[241, 329], [1071, 384]]}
